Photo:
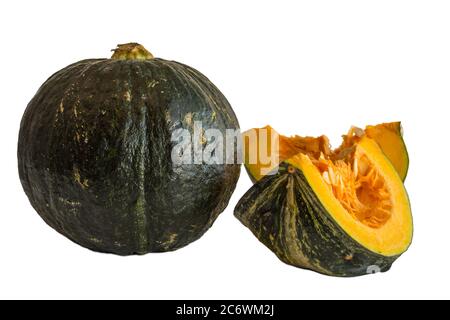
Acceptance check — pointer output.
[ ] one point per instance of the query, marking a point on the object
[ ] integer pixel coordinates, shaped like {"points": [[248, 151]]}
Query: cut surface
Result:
{"points": [[258, 147], [360, 184], [361, 190], [359, 187]]}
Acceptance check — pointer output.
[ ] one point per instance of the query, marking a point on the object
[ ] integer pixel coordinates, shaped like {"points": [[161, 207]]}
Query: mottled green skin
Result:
{"points": [[94, 155], [283, 212]]}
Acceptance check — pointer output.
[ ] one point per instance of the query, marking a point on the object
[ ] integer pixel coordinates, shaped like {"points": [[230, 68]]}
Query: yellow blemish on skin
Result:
{"points": [[172, 239], [168, 118], [127, 96], [152, 83], [84, 183], [203, 139], [348, 257], [95, 240], [75, 111], [61, 107], [213, 116], [188, 118], [69, 202]]}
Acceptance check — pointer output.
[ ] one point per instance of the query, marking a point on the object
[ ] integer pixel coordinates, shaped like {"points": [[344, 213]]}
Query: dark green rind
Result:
{"points": [[94, 155], [283, 212]]}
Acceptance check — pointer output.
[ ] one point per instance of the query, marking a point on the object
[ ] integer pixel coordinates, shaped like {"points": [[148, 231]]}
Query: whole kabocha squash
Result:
{"points": [[95, 148], [342, 212]]}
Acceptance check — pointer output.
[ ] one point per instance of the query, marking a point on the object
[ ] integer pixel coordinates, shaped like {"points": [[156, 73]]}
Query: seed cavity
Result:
{"points": [[359, 187]]}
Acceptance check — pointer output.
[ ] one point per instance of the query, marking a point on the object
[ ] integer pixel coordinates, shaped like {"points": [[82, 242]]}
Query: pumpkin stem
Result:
{"points": [[131, 51]]}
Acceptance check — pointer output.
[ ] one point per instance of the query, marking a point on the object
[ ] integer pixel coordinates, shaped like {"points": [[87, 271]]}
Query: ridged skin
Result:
{"points": [[283, 212], [94, 155]]}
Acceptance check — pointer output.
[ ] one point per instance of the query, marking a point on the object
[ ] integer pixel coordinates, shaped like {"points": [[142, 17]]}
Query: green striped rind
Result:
{"points": [[283, 212]]}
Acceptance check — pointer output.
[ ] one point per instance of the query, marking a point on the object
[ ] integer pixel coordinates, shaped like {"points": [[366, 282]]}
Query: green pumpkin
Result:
{"points": [[95, 147]]}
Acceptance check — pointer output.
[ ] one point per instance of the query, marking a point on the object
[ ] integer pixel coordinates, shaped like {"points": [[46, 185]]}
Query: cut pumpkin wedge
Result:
{"points": [[388, 136], [342, 212], [363, 194]]}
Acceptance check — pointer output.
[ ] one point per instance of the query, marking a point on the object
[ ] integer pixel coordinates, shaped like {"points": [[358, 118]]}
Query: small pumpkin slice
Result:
{"points": [[345, 213], [387, 135], [258, 164]]}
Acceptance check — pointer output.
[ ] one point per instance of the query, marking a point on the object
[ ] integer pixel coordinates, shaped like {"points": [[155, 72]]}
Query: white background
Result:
{"points": [[307, 67]]}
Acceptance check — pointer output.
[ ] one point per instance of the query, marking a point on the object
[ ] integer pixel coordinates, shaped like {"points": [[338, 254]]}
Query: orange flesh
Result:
{"points": [[359, 187], [354, 181], [288, 147], [387, 135], [372, 206]]}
